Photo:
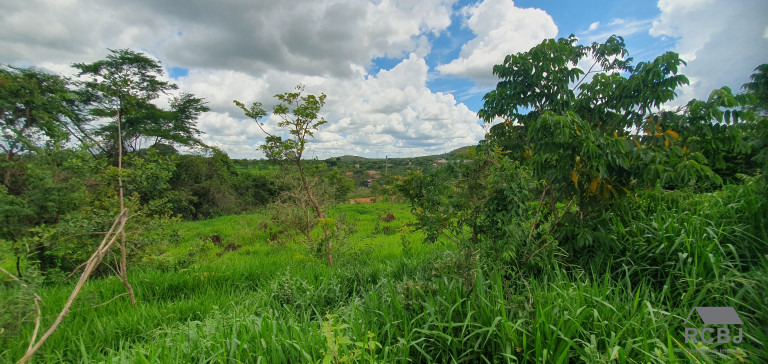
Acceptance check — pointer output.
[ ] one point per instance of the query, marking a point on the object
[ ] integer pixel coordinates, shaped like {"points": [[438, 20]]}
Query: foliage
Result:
{"points": [[342, 185], [593, 138], [758, 135], [35, 108], [66, 199], [271, 302], [123, 87], [208, 186], [488, 208], [300, 115]]}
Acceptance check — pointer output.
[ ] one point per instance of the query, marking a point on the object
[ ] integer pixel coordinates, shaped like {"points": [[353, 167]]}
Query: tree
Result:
{"points": [[595, 137], [720, 128], [758, 87], [123, 87], [300, 115], [35, 108]]}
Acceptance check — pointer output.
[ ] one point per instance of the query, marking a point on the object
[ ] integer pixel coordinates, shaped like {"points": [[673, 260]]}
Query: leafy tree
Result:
{"points": [[758, 136], [123, 87], [342, 184], [596, 137], [300, 115], [35, 108], [206, 186], [758, 86], [718, 128], [484, 203]]}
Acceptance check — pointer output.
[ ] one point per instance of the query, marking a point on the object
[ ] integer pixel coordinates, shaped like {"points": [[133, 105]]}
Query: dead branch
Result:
{"points": [[37, 321], [109, 240], [12, 276]]}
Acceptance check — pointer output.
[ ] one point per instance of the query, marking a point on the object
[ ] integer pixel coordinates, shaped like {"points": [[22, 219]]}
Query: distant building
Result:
{"points": [[357, 166], [372, 173], [349, 173], [441, 160]]}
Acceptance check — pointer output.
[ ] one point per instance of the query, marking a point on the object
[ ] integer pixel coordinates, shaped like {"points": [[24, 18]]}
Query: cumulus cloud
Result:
{"points": [[718, 39], [250, 50], [389, 113], [307, 37], [501, 29], [599, 32]]}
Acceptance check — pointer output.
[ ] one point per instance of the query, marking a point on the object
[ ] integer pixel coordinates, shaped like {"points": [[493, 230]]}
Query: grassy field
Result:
{"points": [[389, 298]]}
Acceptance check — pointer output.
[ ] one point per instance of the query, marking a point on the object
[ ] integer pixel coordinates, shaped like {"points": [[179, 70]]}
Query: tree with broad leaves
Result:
{"points": [[758, 139], [591, 134]]}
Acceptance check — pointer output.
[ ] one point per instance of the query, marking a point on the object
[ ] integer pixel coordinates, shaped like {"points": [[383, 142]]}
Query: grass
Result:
{"points": [[391, 298]]}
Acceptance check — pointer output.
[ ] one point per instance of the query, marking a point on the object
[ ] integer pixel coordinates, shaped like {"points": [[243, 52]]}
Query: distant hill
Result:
{"points": [[353, 158], [357, 166]]}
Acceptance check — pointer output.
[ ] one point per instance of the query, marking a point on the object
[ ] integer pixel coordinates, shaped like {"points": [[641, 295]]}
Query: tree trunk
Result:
{"points": [[123, 269], [18, 266], [318, 209]]}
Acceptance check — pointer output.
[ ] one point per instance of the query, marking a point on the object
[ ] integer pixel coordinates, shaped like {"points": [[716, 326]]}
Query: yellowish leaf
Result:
{"points": [[593, 185], [574, 177], [637, 144], [666, 143], [673, 134]]}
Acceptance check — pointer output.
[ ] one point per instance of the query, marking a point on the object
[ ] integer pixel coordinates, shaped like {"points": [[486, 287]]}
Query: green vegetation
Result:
{"points": [[272, 301], [586, 227]]}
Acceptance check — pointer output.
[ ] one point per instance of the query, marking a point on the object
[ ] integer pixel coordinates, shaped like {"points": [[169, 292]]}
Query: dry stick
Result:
{"points": [[37, 307], [93, 261], [12, 277], [37, 322], [538, 210]]}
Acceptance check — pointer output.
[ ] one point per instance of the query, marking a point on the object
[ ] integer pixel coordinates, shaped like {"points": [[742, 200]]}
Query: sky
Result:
{"points": [[403, 77]]}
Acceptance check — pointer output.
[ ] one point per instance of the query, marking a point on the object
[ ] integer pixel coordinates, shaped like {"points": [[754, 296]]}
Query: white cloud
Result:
{"points": [[501, 29], [391, 112], [250, 50], [253, 36], [598, 32], [722, 41]]}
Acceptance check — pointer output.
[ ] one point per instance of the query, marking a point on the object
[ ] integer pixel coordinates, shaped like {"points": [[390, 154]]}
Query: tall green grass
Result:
{"points": [[392, 299]]}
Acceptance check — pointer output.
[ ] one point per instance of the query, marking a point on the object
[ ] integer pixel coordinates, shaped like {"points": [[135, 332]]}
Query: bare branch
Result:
{"points": [[92, 263], [37, 322], [12, 276]]}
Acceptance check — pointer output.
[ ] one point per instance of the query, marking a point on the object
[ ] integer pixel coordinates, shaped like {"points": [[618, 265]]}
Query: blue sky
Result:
{"points": [[402, 77]]}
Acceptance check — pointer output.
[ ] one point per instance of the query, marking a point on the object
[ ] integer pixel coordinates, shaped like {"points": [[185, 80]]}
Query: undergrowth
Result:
{"points": [[391, 298]]}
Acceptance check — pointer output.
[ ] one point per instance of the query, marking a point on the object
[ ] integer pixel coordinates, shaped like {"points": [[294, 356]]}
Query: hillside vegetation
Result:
{"points": [[591, 224]]}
